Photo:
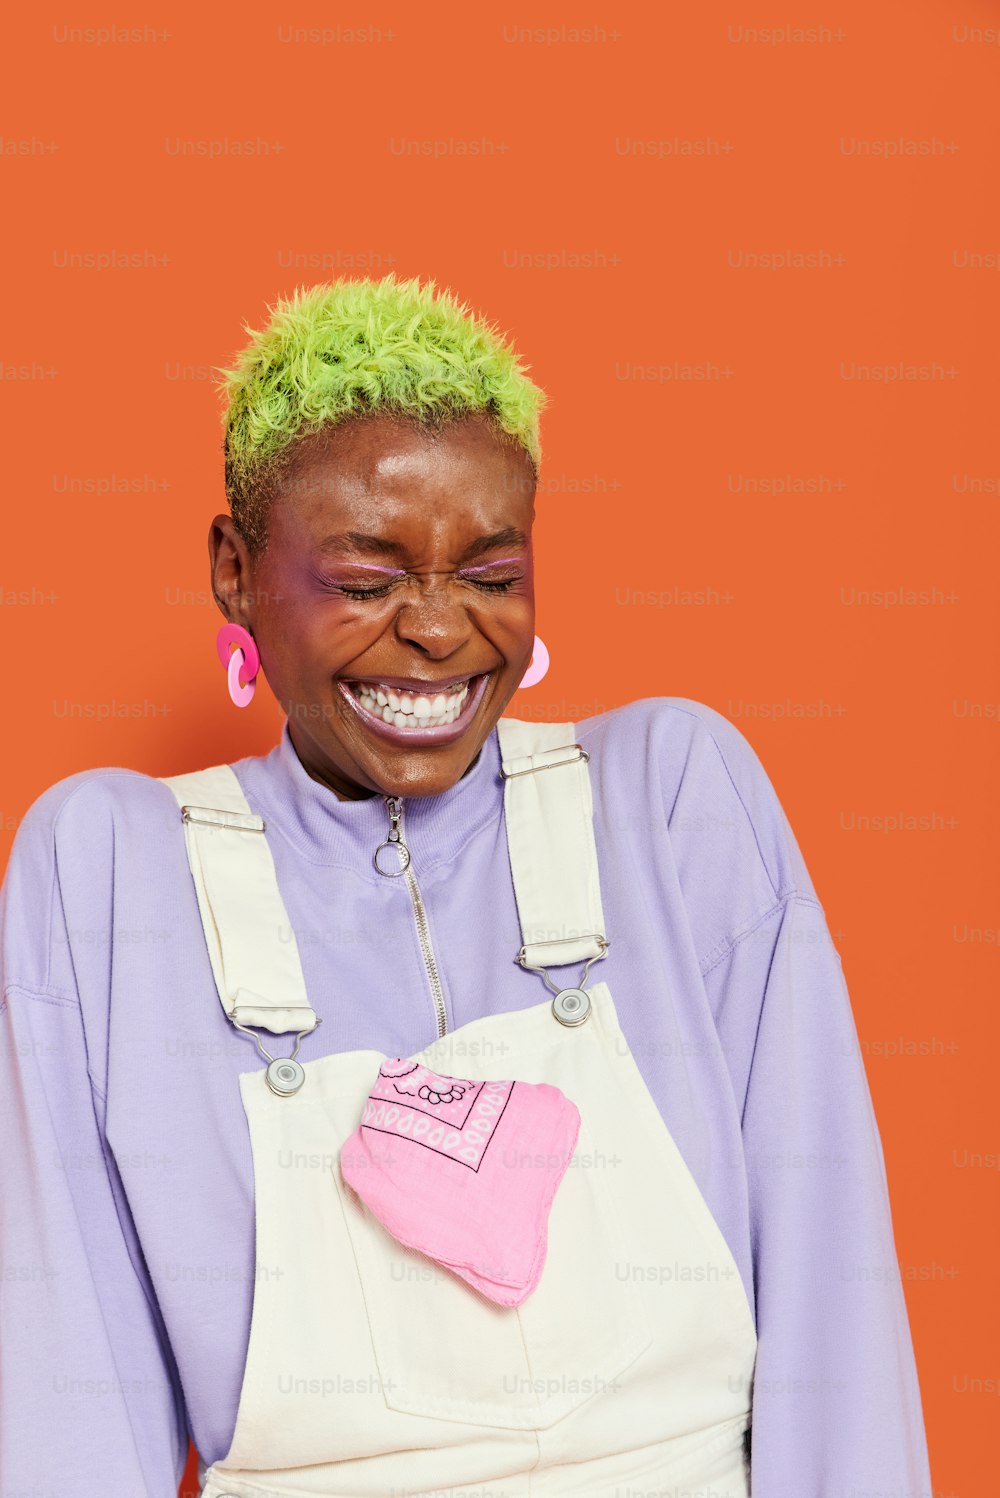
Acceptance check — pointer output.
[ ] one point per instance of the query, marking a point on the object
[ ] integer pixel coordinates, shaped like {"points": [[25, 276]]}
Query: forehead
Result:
{"points": [[397, 464]]}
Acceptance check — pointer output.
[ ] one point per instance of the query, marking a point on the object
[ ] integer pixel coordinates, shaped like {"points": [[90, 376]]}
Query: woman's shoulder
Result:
{"points": [[88, 803], [81, 837], [716, 795], [679, 718], [673, 727]]}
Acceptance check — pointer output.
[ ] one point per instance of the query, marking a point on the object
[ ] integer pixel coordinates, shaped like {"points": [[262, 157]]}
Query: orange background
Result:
{"points": [[666, 149]]}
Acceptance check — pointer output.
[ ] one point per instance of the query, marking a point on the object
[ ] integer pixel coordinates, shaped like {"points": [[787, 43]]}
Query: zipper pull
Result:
{"points": [[394, 806]]}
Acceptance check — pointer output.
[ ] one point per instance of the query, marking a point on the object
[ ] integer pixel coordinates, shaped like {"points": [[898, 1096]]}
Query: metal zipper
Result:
{"points": [[394, 806]]}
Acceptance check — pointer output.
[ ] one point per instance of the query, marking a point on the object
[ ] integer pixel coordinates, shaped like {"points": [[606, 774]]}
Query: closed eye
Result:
{"points": [[490, 587]]}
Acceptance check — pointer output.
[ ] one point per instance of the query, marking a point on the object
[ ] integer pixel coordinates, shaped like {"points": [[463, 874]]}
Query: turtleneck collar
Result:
{"points": [[327, 830]]}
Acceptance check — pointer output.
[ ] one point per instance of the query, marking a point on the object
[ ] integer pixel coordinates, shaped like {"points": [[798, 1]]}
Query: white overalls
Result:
{"points": [[371, 1370]]}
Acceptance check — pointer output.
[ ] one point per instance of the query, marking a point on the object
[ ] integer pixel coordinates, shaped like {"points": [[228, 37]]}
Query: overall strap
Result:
{"points": [[548, 809], [251, 944]]}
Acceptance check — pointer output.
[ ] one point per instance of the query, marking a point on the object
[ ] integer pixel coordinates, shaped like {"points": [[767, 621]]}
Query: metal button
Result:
{"points": [[284, 1076], [571, 1006]]}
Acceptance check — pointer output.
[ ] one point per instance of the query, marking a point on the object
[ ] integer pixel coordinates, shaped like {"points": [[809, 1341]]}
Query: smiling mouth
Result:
{"points": [[412, 709], [407, 715]]}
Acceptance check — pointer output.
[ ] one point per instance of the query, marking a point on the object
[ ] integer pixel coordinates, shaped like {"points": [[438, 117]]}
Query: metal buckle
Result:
{"points": [[236, 1009], [571, 1006], [538, 968], [555, 764], [283, 1074], [239, 821]]}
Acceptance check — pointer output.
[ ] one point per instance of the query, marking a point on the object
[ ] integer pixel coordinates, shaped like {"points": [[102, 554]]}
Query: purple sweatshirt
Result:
{"points": [[127, 1211]]}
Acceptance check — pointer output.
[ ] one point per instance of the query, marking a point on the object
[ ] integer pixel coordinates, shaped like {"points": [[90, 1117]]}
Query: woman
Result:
{"points": [[256, 1014]]}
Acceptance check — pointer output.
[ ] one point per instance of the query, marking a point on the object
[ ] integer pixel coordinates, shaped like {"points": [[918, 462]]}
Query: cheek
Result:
{"points": [[321, 637], [517, 615], [510, 630]]}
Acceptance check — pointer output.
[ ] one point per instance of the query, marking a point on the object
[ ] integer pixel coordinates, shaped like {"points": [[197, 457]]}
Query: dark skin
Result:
{"points": [[434, 493]]}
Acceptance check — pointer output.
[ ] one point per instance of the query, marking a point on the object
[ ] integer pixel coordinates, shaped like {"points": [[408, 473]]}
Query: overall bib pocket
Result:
{"points": [[445, 1351]]}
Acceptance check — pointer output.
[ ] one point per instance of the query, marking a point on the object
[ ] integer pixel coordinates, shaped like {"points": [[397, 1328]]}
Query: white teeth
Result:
{"points": [[407, 711]]}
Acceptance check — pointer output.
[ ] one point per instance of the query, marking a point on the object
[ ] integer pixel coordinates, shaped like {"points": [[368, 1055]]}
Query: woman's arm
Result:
{"points": [[836, 1403], [89, 1400]]}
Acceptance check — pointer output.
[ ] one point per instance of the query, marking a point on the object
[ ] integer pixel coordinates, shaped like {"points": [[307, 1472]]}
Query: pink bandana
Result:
{"points": [[464, 1172]]}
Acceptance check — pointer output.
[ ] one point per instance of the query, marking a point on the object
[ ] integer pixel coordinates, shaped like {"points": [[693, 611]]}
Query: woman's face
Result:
{"points": [[395, 555]]}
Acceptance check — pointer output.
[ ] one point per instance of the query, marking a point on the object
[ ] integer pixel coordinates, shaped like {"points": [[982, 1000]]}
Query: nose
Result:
{"points": [[436, 623]]}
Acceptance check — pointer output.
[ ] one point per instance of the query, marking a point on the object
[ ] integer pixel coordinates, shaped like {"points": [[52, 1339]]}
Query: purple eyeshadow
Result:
{"points": [[486, 565], [400, 572]]}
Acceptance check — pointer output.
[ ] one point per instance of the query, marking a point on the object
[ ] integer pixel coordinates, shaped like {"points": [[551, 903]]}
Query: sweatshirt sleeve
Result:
{"points": [[836, 1401], [89, 1397]]}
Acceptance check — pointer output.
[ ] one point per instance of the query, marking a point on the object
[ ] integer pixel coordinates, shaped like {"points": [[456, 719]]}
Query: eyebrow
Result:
{"points": [[383, 546]]}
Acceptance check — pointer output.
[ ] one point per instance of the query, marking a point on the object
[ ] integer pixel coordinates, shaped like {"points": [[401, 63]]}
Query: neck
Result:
{"points": [[345, 789]]}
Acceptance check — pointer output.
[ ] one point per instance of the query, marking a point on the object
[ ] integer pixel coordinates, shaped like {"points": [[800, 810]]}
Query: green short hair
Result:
{"points": [[357, 348]]}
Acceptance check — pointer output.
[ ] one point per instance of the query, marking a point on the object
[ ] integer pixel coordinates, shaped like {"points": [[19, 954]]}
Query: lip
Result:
{"points": [[413, 683], [420, 738]]}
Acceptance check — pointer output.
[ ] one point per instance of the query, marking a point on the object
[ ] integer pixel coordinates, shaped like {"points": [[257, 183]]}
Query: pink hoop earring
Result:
{"points": [[245, 658], [539, 665]]}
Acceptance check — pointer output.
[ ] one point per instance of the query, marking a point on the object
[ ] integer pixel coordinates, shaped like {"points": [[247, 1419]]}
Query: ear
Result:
{"points": [[231, 569]]}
